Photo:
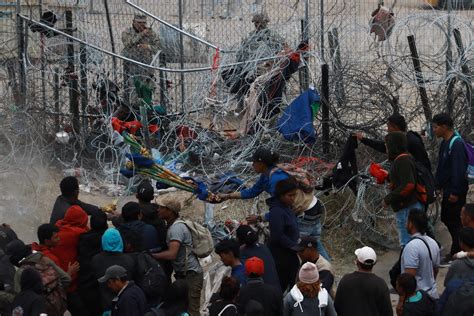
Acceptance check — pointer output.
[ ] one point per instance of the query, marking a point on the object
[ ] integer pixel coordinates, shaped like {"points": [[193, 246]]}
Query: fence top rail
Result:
{"points": [[154, 17], [171, 70]]}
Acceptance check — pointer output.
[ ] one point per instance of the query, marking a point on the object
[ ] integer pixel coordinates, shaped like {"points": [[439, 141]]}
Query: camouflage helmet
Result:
{"points": [[140, 18], [261, 18]]}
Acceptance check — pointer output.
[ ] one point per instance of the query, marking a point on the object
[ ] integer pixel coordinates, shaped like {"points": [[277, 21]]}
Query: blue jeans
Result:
{"points": [[401, 217], [310, 225]]}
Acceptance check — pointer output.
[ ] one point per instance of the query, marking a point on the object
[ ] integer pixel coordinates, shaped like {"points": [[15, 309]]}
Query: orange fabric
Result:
{"points": [[46, 252], [379, 173]]}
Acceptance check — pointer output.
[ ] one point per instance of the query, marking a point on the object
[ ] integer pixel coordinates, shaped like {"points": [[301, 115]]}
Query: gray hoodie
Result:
{"points": [[460, 269]]}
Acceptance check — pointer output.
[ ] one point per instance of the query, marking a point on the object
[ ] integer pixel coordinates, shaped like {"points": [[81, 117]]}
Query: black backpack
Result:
{"points": [[151, 277], [425, 182]]}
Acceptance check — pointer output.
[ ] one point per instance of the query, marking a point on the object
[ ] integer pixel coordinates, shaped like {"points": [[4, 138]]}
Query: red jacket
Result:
{"points": [[70, 228]]}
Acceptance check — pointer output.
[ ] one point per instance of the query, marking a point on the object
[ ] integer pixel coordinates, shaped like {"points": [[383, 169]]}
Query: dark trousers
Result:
{"points": [[91, 300], [75, 305], [450, 216], [287, 265]]}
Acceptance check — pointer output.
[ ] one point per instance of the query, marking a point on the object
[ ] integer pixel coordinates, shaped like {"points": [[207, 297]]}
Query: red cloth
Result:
{"points": [[379, 173], [46, 252], [70, 228]]}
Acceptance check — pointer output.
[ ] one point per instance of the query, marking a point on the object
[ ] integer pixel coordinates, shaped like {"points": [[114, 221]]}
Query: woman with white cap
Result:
{"points": [[307, 297]]}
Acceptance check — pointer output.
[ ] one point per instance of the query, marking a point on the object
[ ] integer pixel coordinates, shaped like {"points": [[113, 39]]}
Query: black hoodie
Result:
{"points": [[402, 172], [30, 300]]}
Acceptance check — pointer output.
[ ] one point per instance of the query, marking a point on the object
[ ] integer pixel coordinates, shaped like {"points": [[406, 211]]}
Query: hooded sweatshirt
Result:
{"points": [[296, 304], [460, 269], [30, 300], [112, 246], [284, 230], [402, 172], [70, 228]]}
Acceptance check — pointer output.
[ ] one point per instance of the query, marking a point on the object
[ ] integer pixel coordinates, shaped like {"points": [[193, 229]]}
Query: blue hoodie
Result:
{"points": [[112, 241]]}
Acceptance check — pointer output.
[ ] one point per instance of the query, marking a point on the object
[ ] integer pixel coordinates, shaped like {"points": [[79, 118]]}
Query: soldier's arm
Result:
{"points": [[127, 39], [154, 42]]}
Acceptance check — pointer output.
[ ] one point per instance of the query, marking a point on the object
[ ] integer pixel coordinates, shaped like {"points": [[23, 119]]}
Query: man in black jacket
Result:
{"points": [[256, 290], [130, 299], [70, 196], [451, 177], [396, 123]]}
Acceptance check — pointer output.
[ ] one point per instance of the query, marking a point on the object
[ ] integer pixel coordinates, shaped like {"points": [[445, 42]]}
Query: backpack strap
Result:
{"points": [[402, 155], [226, 307], [426, 244], [451, 143]]}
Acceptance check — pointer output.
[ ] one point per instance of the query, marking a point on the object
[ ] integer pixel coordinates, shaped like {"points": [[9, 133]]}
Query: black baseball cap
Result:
{"points": [[145, 191]]}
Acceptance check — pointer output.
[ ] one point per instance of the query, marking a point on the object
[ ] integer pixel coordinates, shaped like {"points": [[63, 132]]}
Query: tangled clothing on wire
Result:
{"points": [[267, 90]]}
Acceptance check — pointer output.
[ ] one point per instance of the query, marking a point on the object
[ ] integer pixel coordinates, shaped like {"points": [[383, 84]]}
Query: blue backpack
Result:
{"points": [[469, 148]]}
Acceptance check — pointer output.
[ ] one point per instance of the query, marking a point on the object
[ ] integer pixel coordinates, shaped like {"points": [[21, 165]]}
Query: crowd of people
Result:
{"points": [[141, 261]]}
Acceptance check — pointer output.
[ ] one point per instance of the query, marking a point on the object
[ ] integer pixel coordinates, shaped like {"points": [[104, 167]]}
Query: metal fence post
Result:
{"points": [[83, 82], [72, 77], [56, 98], [325, 106], [419, 78], [21, 56], [112, 40], [181, 53]]}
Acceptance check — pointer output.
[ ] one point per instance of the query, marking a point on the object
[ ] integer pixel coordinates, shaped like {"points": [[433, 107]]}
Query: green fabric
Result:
{"points": [[415, 298], [315, 108], [144, 91]]}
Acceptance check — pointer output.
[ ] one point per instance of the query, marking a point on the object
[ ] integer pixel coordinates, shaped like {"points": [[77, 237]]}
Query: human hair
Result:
{"points": [[69, 186], [469, 210], [284, 186], [398, 120], [419, 220], [130, 211], [228, 245], [267, 156], [246, 235], [407, 282], [98, 221], [46, 232], [229, 288], [466, 236], [309, 290], [443, 119], [365, 266]]}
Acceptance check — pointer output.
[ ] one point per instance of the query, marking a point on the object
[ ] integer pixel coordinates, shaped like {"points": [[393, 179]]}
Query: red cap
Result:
{"points": [[254, 265]]}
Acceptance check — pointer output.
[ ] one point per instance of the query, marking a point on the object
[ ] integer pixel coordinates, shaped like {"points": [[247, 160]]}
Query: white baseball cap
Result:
{"points": [[366, 255]]}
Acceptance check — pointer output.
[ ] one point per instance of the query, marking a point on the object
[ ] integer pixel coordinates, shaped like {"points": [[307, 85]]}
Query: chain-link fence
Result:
{"points": [[64, 64]]}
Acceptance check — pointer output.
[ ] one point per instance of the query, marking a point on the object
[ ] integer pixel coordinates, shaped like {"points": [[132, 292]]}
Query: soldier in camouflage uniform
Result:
{"points": [[262, 40], [140, 43]]}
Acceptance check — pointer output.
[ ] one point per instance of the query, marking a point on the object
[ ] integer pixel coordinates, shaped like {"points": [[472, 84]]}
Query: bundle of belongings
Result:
{"points": [[345, 169], [296, 123]]}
